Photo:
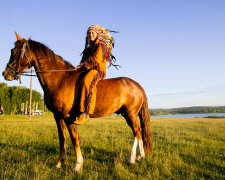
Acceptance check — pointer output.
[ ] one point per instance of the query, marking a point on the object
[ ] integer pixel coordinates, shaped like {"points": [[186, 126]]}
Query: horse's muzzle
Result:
{"points": [[9, 76]]}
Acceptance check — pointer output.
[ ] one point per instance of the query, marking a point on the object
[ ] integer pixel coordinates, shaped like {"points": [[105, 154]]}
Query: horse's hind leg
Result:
{"points": [[141, 152], [131, 119], [75, 140], [62, 140]]}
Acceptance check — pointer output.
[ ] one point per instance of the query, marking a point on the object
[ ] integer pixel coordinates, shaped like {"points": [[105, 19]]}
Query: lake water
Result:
{"points": [[189, 115]]}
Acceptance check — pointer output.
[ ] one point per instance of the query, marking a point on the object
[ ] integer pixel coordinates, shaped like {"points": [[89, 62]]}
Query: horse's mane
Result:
{"points": [[36, 47]]}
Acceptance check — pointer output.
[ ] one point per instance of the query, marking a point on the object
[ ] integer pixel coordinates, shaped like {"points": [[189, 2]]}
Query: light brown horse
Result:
{"points": [[61, 85]]}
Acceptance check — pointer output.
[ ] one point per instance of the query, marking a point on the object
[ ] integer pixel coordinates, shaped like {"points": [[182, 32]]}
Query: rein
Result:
{"points": [[26, 73], [56, 70]]}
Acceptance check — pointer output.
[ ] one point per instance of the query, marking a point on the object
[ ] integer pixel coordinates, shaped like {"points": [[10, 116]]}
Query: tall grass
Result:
{"points": [[183, 149]]}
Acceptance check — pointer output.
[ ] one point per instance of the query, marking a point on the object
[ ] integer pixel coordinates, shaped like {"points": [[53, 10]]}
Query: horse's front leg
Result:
{"points": [[75, 140], [62, 140]]}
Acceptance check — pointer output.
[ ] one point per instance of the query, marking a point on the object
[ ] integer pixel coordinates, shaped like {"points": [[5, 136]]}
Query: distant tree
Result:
{"points": [[12, 98]]}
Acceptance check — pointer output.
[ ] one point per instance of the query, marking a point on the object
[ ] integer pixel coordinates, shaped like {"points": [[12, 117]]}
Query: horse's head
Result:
{"points": [[20, 59]]}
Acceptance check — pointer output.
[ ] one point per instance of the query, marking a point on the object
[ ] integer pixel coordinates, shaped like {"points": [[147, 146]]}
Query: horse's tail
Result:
{"points": [[146, 127]]}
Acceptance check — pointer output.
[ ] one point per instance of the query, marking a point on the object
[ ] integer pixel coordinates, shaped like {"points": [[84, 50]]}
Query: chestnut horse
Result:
{"points": [[61, 85]]}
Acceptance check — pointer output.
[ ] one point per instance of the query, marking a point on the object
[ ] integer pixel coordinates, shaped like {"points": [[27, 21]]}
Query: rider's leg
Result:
{"points": [[88, 96]]}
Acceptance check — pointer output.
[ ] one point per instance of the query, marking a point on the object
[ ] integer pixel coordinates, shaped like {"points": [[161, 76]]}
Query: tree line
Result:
{"points": [[15, 99], [188, 110]]}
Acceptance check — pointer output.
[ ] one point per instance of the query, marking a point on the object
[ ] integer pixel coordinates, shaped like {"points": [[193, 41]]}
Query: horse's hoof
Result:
{"points": [[57, 166], [139, 157], [131, 161], [78, 167]]}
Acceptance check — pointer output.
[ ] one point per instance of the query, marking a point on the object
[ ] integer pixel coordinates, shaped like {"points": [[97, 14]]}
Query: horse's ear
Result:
{"points": [[18, 37]]}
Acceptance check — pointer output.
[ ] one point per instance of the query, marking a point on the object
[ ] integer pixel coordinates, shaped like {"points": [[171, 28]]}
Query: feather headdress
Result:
{"points": [[103, 34]]}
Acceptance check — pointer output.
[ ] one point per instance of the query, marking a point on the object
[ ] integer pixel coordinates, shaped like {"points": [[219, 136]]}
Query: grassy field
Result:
{"points": [[183, 149]]}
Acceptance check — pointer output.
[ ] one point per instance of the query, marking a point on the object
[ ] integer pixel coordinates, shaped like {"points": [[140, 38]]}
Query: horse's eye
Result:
{"points": [[13, 51]]}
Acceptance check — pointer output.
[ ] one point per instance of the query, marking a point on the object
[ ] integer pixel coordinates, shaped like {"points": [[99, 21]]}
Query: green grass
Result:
{"points": [[183, 149]]}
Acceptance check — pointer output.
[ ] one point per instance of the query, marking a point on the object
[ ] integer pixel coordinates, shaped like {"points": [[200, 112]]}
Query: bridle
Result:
{"points": [[21, 55]]}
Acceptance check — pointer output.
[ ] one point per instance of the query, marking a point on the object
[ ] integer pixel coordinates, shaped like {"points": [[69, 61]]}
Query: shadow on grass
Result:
{"points": [[99, 154]]}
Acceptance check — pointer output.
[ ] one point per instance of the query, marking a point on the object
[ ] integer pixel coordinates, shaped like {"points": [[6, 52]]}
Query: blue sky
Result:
{"points": [[174, 48]]}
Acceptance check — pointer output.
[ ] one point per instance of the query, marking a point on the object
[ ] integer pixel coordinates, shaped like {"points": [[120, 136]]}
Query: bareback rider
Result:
{"points": [[97, 52]]}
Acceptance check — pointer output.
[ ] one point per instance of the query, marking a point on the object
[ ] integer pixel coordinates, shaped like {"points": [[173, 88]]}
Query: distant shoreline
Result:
{"points": [[188, 110]]}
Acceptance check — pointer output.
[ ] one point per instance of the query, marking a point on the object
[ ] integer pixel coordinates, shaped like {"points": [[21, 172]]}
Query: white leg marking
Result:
{"points": [[141, 152], [133, 152], [79, 163]]}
